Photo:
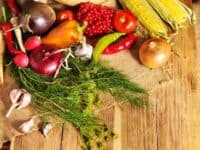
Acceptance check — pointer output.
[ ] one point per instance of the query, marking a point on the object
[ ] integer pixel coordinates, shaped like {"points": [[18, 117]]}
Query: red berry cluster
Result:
{"points": [[99, 18]]}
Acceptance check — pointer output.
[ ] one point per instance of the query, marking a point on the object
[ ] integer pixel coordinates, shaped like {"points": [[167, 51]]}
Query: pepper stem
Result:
{"points": [[81, 28]]}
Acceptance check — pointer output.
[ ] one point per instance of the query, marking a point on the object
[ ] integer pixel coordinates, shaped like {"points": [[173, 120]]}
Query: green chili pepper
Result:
{"points": [[103, 43]]}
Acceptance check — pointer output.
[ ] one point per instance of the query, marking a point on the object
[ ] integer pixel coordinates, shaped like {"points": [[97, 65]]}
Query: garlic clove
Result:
{"points": [[46, 129], [25, 100], [26, 126], [15, 95]]}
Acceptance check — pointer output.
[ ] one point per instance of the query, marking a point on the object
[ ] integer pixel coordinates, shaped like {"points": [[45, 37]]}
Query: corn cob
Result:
{"points": [[174, 12], [147, 17]]}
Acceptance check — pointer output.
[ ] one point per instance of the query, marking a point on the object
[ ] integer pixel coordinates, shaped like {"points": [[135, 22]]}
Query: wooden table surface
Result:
{"points": [[172, 123]]}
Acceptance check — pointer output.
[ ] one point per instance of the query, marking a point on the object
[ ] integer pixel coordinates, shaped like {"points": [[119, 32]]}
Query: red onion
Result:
{"points": [[44, 61], [37, 17]]}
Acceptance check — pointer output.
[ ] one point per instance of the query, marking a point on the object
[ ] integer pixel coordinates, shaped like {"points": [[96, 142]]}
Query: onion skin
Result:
{"points": [[42, 17], [45, 64], [155, 53]]}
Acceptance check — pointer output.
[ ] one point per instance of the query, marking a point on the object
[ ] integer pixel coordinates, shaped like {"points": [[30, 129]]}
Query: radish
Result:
{"points": [[44, 60], [21, 60], [32, 42]]}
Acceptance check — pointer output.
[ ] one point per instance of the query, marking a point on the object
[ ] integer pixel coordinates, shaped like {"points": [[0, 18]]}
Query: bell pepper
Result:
{"points": [[65, 34]]}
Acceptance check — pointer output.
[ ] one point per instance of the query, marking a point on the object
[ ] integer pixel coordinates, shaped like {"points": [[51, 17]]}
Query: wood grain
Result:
{"points": [[172, 121], [195, 100]]}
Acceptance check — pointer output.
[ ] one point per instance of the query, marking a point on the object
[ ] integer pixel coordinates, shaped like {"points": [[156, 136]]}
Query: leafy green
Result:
{"points": [[73, 96]]}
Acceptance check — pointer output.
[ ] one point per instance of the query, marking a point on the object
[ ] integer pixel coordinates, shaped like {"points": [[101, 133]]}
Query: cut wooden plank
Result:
{"points": [[31, 141], [37, 141]]}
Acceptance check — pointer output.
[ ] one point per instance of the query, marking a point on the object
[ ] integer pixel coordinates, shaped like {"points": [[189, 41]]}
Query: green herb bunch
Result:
{"points": [[73, 96]]}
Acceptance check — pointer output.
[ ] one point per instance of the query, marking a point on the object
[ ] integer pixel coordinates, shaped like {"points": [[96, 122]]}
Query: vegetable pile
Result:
{"points": [[99, 19], [57, 63]]}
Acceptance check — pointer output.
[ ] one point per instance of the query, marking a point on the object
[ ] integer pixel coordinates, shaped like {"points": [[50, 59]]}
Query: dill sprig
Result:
{"points": [[73, 96]]}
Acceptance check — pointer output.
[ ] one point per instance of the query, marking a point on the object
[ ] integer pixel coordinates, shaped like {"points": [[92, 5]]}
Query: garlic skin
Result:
{"points": [[84, 51], [46, 129], [26, 126]]}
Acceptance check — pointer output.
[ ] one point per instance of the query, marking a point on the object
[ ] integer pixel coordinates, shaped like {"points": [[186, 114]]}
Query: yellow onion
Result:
{"points": [[155, 52]]}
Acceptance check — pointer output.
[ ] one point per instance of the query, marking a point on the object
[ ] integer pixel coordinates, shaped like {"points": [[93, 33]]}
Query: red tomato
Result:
{"points": [[124, 21], [65, 15]]}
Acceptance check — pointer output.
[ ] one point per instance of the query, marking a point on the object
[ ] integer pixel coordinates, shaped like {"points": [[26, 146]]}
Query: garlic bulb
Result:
{"points": [[84, 51]]}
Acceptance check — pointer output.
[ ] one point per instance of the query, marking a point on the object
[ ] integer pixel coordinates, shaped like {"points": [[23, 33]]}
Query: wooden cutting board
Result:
{"points": [[171, 123]]}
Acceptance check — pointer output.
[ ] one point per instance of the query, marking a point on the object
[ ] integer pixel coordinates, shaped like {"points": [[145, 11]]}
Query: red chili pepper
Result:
{"points": [[9, 39], [13, 7], [126, 43]]}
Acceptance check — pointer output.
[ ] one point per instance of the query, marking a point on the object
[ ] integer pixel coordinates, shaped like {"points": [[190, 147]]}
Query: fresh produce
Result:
{"points": [[61, 77], [103, 43], [99, 19], [37, 17], [2, 50], [64, 35], [155, 53], [20, 98], [43, 61], [21, 60], [64, 15], [46, 128], [73, 96], [147, 17], [18, 33], [84, 51], [124, 21], [32, 42], [26, 126], [9, 39], [13, 7], [174, 12], [124, 44]]}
